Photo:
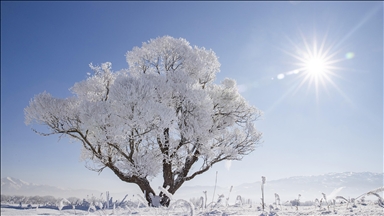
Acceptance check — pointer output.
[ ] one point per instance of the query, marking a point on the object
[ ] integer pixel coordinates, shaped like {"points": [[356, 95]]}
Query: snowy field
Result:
{"points": [[198, 200], [182, 207]]}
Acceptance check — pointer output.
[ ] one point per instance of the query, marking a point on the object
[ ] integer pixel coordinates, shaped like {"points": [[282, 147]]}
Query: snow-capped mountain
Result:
{"points": [[13, 183], [14, 186], [347, 184]]}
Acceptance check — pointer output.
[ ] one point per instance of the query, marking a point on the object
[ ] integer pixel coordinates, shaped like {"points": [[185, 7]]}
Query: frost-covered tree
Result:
{"points": [[160, 116]]}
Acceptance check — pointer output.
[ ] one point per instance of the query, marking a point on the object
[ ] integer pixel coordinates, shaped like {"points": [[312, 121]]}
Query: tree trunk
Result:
{"points": [[170, 179], [146, 189], [143, 183]]}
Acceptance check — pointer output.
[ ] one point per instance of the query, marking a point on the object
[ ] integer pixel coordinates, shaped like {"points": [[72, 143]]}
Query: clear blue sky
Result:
{"points": [[47, 46]]}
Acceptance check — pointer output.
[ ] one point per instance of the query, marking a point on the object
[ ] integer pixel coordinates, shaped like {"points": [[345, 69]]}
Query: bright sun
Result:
{"points": [[316, 64]]}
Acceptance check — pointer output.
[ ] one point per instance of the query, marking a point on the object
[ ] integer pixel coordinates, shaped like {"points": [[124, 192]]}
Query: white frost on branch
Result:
{"points": [[169, 195], [164, 109]]}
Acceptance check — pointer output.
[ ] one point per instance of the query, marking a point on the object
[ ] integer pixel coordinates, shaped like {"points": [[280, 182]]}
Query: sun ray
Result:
{"points": [[316, 64]]}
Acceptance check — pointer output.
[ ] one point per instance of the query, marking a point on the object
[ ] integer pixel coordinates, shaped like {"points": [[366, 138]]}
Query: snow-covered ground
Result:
{"points": [[182, 207], [352, 195], [346, 184]]}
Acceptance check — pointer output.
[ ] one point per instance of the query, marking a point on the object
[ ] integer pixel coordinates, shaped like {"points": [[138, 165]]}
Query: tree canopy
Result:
{"points": [[159, 116]]}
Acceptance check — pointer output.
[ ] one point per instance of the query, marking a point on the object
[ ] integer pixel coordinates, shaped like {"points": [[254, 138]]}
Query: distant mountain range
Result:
{"points": [[347, 184], [14, 186]]}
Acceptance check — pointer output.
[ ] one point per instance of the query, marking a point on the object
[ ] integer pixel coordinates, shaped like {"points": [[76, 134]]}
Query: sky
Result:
{"points": [[315, 121]]}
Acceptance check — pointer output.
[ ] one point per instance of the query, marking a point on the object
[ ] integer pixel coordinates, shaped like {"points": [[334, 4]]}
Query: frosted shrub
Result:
{"points": [[295, 202], [74, 201], [239, 201], [92, 203], [380, 200], [35, 200], [62, 203], [183, 204], [197, 202], [376, 192], [343, 198], [307, 203], [92, 208], [6, 199], [362, 200]]}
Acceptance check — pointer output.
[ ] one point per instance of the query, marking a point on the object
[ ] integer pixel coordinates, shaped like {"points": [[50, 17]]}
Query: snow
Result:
{"points": [[181, 204], [164, 190], [24, 182], [183, 207], [10, 179]]}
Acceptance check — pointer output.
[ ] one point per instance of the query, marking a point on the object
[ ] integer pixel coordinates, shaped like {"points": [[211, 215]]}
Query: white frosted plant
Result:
{"points": [[159, 116], [249, 202], [100, 205], [344, 199], [277, 200], [239, 201], [334, 205], [114, 211], [205, 199], [325, 199], [141, 200], [353, 202], [262, 192], [155, 200], [376, 192], [74, 201], [108, 199], [123, 200], [298, 202], [271, 208], [227, 200], [202, 203], [197, 202], [91, 208], [317, 203], [219, 202], [214, 190], [165, 195], [62, 203], [95, 202], [184, 204]]}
